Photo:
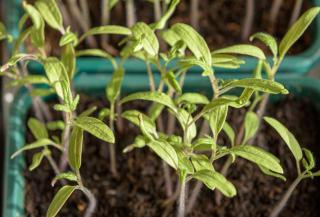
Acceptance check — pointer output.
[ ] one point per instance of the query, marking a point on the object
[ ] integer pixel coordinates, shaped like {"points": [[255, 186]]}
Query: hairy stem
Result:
{"points": [[283, 202], [131, 17], [112, 151], [65, 142], [119, 121], [194, 11], [90, 196], [182, 198], [248, 20], [157, 10], [296, 11], [151, 78]]}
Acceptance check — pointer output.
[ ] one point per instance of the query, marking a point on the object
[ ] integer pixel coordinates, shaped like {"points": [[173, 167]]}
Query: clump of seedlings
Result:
{"points": [[193, 153]]}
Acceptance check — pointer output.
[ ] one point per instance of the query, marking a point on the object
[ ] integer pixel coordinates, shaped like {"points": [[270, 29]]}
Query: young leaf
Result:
{"points": [[34, 15], [244, 49], [214, 180], [110, 29], [217, 117], [68, 58], [133, 116], [185, 119], [165, 151], [67, 175], [146, 35], [230, 132], [56, 125], [161, 98], [60, 199], [114, 86], [68, 38], [30, 79], [38, 144], [95, 127], [184, 163], [251, 125], [75, 148], [194, 42], [88, 111], [201, 162], [155, 110], [268, 40], [287, 136], [309, 162], [204, 144], [218, 103], [257, 84], [296, 30], [36, 160], [258, 156], [270, 173], [37, 128], [172, 82], [50, 13], [193, 98]]}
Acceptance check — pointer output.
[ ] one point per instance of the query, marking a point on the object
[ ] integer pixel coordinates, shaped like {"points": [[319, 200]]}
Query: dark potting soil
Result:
{"points": [[220, 21], [139, 192]]}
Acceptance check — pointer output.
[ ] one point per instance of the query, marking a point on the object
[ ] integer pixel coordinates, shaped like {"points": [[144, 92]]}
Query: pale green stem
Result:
{"points": [[112, 152]]}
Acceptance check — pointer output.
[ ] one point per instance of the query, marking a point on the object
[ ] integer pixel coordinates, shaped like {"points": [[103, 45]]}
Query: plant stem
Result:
{"points": [[65, 141], [248, 20], [151, 78], [91, 198], [194, 14], [275, 8], [131, 17], [119, 120], [283, 202], [65, 13], [296, 11], [112, 151], [182, 198]]}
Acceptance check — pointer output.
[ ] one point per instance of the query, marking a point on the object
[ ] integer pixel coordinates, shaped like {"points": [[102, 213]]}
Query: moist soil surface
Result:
{"points": [[140, 191], [220, 22]]}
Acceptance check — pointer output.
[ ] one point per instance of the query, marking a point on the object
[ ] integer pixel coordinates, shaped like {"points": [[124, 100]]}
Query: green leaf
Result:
{"points": [[38, 144], [75, 147], [251, 125], [68, 58], [217, 118], [36, 160], [215, 103], [110, 29], [184, 163], [38, 129], [204, 144], [155, 110], [60, 199], [68, 38], [66, 175], [57, 73], [56, 125], [30, 79], [308, 161], [287, 137], [133, 116], [165, 151], [194, 42], [88, 111], [103, 113], [244, 49], [139, 142], [148, 38], [97, 53], [230, 132], [268, 40], [160, 24], [270, 173], [193, 98], [114, 86], [257, 84], [172, 82], [161, 98], [201, 162], [170, 36], [50, 13], [185, 119], [95, 127], [296, 30], [258, 156], [214, 180], [37, 31]]}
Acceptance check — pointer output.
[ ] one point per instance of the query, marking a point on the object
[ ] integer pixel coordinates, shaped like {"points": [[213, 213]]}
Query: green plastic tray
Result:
{"points": [[13, 172], [294, 65]]}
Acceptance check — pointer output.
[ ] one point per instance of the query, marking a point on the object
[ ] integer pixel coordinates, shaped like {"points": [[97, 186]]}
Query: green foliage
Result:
{"points": [[50, 13], [75, 147]]}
